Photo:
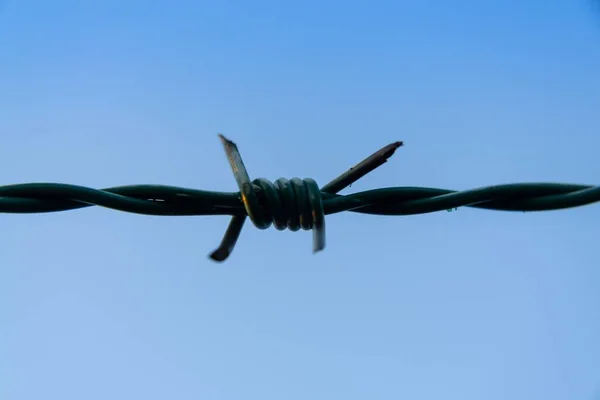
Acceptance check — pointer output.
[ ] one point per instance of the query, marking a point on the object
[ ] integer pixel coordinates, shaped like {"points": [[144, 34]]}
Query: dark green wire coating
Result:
{"points": [[172, 200], [293, 204]]}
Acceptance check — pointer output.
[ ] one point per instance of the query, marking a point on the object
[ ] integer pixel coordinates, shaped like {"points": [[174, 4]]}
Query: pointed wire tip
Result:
{"points": [[367, 165], [390, 149], [219, 255], [224, 139]]}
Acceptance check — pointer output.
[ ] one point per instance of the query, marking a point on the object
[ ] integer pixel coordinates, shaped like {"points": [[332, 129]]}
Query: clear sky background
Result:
{"points": [[468, 305]]}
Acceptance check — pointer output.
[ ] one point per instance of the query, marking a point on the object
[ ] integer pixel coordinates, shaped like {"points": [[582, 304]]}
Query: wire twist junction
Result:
{"points": [[293, 204]]}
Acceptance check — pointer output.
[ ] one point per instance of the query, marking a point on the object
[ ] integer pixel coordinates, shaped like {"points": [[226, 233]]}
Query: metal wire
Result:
{"points": [[293, 204]]}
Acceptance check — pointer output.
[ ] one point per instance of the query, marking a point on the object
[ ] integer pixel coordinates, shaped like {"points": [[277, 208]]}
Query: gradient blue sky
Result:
{"points": [[98, 304]]}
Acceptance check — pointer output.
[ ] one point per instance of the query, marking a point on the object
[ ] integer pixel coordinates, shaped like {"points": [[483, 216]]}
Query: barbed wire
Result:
{"points": [[291, 204]]}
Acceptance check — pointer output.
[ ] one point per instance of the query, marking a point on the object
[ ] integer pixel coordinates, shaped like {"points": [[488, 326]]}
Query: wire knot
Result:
{"points": [[292, 204]]}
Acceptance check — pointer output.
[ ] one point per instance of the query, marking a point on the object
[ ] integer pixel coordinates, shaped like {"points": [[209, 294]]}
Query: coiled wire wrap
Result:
{"points": [[294, 204], [291, 204]]}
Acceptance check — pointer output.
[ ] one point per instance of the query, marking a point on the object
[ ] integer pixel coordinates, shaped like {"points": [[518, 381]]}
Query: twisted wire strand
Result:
{"points": [[293, 204], [162, 200]]}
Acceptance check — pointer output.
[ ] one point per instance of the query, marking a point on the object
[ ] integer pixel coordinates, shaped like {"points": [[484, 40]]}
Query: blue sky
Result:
{"points": [[98, 304]]}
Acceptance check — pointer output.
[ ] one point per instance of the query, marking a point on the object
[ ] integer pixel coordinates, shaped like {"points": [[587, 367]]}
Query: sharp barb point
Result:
{"points": [[361, 169]]}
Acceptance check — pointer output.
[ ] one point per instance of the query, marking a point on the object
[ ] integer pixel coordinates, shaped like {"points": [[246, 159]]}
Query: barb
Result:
{"points": [[291, 204], [308, 213], [305, 195]]}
